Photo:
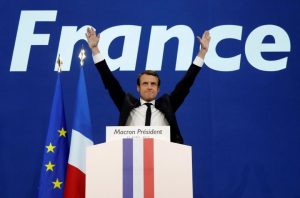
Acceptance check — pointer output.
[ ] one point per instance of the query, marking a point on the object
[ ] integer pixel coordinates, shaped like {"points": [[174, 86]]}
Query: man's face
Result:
{"points": [[148, 87]]}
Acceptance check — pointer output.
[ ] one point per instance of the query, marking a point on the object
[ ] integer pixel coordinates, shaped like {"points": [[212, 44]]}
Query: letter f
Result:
{"points": [[26, 38]]}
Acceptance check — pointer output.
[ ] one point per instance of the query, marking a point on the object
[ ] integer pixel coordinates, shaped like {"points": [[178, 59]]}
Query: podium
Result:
{"points": [[139, 168]]}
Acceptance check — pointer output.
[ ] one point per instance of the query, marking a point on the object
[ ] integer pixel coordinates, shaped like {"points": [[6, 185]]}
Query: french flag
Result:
{"points": [[80, 140]]}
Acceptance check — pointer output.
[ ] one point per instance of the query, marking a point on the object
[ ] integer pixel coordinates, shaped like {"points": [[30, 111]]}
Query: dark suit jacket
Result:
{"points": [[167, 103]]}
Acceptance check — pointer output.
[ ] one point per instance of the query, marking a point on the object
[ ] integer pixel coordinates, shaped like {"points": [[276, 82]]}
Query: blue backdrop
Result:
{"points": [[243, 123]]}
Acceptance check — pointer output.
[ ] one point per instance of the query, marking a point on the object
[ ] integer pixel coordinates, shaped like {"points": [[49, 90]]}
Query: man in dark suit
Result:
{"points": [[147, 110]]}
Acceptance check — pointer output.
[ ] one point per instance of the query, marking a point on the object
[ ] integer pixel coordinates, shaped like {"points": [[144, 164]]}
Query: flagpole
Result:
{"points": [[59, 63], [82, 55]]}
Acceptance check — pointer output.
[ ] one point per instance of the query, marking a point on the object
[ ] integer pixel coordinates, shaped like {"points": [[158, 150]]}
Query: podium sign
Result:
{"points": [[139, 168], [121, 132]]}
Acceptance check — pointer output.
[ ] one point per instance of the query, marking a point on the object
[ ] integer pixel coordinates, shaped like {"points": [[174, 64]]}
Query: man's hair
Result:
{"points": [[148, 72]]}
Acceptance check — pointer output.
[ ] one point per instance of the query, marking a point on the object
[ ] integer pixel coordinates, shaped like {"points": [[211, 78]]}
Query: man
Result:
{"points": [[147, 110]]}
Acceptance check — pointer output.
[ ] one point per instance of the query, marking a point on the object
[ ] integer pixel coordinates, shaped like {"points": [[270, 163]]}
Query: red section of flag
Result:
{"points": [[75, 183], [148, 168]]}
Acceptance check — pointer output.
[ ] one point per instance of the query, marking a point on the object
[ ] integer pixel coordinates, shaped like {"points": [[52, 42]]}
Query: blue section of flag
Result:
{"points": [[82, 119], [56, 150], [127, 168]]}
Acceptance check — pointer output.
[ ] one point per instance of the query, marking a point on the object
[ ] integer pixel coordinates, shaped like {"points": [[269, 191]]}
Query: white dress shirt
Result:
{"points": [[138, 115]]}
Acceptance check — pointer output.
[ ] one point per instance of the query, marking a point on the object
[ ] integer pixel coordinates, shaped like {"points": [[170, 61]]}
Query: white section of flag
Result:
{"points": [[138, 168], [79, 143]]}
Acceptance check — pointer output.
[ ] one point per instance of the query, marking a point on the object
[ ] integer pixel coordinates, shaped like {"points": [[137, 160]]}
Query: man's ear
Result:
{"points": [[138, 88]]}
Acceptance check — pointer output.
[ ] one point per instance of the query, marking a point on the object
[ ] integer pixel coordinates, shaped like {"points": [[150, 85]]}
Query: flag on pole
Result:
{"points": [[52, 178], [81, 139]]}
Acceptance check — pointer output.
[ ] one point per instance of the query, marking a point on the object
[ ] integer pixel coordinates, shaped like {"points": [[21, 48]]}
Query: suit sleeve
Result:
{"points": [[111, 84], [182, 88]]}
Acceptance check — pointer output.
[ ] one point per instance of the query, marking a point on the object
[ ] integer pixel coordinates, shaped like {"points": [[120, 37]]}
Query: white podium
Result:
{"points": [[139, 168]]}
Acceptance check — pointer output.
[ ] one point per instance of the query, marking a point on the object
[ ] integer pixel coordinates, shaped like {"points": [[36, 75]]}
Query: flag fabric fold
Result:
{"points": [[56, 150], [80, 140]]}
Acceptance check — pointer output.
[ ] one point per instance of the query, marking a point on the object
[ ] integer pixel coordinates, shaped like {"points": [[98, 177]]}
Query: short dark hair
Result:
{"points": [[148, 72]]}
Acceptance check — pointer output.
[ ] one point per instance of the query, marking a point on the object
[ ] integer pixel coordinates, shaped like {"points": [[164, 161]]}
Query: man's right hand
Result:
{"points": [[93, 40], [204, 42]]}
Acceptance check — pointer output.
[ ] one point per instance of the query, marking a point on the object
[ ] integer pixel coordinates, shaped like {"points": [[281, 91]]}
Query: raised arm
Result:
{"points": [[110, 82], [182, 88]]}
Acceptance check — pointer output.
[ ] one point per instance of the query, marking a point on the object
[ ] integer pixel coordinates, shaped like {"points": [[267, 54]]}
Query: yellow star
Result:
{"points": [[50, 148], [50, 166], [62, 132], [57, 184]]}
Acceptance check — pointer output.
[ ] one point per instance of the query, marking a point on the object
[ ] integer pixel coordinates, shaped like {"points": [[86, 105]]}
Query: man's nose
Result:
{"points": [[149, 86]]}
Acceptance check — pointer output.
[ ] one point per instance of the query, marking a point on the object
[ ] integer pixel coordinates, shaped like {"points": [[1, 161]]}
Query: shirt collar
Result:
{"points": [[143, 102]]}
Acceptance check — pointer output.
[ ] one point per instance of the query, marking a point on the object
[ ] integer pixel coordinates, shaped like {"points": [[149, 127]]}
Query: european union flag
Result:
{"points": [[56, 150]]}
